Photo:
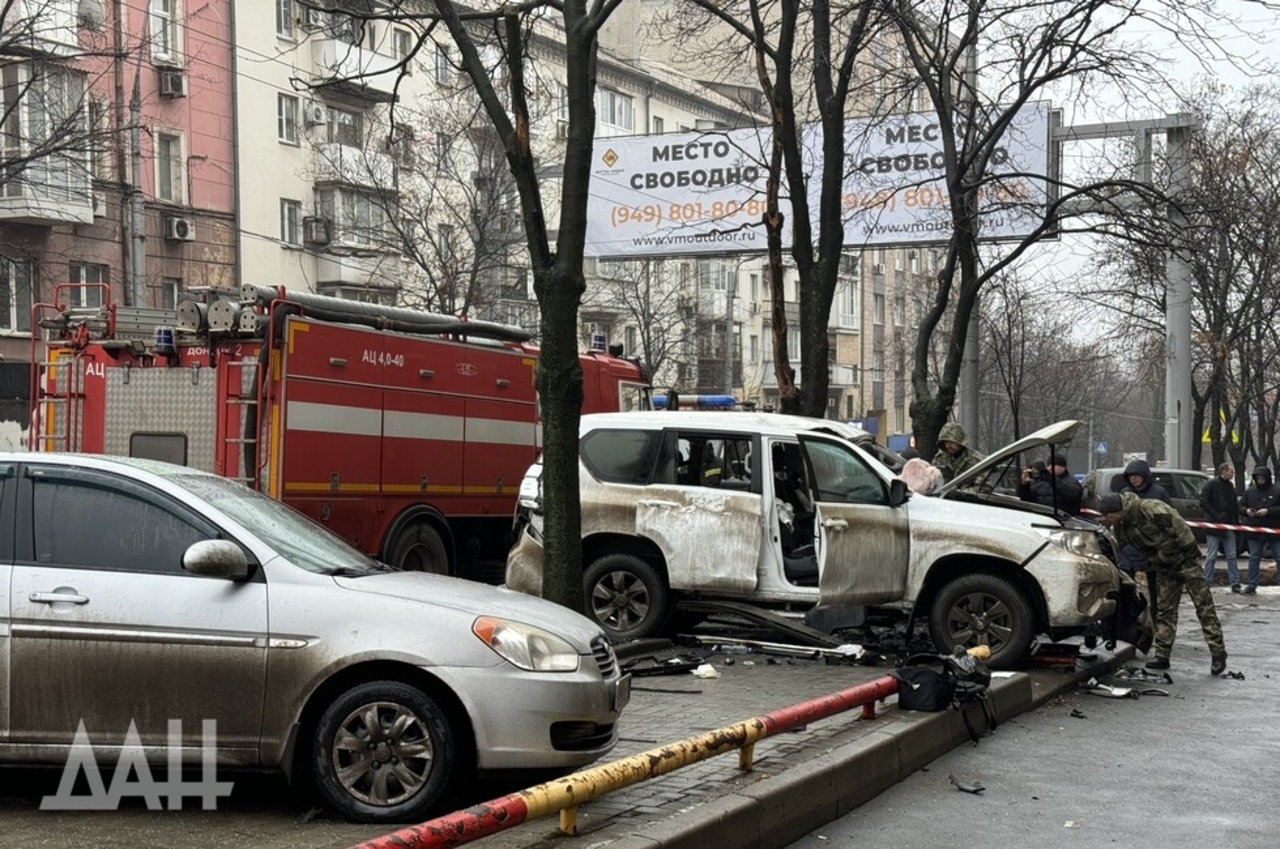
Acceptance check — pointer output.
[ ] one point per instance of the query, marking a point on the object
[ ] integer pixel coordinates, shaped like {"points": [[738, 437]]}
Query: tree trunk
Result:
{"points": [[559, 381]]}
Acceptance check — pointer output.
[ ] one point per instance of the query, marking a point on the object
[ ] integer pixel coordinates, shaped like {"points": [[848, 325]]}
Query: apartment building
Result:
{"points": [[91, 211]]}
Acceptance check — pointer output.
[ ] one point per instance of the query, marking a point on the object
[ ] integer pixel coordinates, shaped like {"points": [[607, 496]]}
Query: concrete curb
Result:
{"points": [[782, 809]]}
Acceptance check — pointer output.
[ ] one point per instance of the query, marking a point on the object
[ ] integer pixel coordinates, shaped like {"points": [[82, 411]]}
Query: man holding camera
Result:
{"points": [[1053, 486]]}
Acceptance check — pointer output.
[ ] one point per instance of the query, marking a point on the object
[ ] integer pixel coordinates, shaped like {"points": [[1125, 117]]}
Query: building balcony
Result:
{"points": [[42, 28], [354, 166], [380, 272], [32, 198], [354, 69]]}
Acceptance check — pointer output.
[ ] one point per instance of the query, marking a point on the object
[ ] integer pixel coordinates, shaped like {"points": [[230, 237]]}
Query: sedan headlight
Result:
{"points": [[1082, 542], [526, 646]]}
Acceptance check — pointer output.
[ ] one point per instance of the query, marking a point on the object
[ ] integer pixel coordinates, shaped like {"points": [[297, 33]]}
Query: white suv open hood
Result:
{"points": [[1054, 434]]}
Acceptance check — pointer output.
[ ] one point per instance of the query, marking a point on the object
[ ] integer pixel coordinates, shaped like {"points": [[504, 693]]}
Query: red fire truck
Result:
{"points": [[406, 433]]}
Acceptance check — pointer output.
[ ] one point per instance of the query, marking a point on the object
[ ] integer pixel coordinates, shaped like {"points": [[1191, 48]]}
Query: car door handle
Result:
{"points": [[835, 524], [55, 598], [649, 502]]}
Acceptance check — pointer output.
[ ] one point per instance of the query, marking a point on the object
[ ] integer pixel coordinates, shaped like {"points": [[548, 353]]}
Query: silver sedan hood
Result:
{"points": [[477, 599]]}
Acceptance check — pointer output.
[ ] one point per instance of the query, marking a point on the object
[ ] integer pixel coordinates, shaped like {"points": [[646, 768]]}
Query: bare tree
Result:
{"points": [[1028, 53], [642, 295], [503, 37], [1232, 244]]}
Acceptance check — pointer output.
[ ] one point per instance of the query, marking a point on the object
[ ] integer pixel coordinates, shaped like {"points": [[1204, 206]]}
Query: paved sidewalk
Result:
{"points": [[800, 780]]}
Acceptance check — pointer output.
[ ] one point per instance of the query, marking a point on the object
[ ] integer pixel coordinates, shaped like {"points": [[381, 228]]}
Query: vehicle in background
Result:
{"points": [[1183, 486], [403, 432], [140, 593], [787, 511]]}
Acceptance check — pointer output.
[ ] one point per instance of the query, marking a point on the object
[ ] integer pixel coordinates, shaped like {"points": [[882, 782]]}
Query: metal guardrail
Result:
{"points": [[565, 795]]}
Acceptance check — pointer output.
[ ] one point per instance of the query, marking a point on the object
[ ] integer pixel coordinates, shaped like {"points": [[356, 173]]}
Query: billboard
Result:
{"points": [[704, 192]]}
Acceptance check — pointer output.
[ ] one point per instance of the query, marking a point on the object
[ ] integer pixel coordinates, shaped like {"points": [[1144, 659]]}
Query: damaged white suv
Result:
{"points": [[783, 511]]}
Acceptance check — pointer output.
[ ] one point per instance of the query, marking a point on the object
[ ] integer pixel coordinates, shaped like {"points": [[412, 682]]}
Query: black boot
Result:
{"points": [[1219, 664], [1158, 663]]}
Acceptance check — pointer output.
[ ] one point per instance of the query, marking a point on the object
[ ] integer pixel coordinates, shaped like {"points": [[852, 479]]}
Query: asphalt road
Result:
{"points": [[1195, 768]]}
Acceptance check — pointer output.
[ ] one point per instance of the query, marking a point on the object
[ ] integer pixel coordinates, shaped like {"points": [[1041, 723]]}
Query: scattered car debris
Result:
{"points": [[706, 670], [1093, 685], [1071, 824], [1239, 676], [850, 652], [1078, 714], [643, 667], [1138, 672], [966, 786]]}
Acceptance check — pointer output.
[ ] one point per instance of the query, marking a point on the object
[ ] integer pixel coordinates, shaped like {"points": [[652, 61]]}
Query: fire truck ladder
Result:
{"points": [[57, 392], [244, 446]]}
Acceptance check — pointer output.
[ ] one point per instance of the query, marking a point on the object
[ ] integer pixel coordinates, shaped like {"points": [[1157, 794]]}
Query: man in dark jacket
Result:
{"points": [[1053, 486], [1218, 500], [1164, 537], [1137, 476], [1261, 510]]}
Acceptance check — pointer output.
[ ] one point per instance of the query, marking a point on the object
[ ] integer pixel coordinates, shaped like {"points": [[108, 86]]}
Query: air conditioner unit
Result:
{"points": [[316, 231], [562, 129], [315, 19], [878, 268], [99, 202], [180, 229], [314, 113], [173, 83]]}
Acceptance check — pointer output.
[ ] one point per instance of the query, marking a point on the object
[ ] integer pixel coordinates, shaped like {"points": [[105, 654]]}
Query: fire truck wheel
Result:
{"points": [[383, 752], [419, 548], [626, 596]]}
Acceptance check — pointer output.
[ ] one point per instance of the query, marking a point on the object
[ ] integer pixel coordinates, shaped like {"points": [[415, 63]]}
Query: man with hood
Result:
{"points": [[1137, 476], [954, 456], [1157, 530], [1261, 510]]}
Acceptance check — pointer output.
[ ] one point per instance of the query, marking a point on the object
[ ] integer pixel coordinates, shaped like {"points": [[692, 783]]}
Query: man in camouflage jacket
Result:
{"points": [[1156, 529], [954, 457]]}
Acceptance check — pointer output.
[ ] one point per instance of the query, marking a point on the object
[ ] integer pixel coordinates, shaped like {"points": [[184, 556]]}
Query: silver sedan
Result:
{"points": [[141, 599]]}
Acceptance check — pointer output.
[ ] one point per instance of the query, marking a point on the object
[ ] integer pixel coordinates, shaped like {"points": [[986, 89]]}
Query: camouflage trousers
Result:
{"points": [[1169, 586]]}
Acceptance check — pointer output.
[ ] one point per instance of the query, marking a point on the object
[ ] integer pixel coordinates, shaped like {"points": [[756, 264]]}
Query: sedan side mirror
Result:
{"points": [[898, 492], [216, 558]]}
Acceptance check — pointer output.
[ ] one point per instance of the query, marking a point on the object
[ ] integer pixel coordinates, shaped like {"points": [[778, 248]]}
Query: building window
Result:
{"points": [[87, 292], [284, 18], [446, 246], [358, 219], [614, 113], [658, 125], [169, 289], [632, 340], [287, 118], [444, 66], [850, 294], [753, 352], [444, 152], [402, 43], [899, 310], [877, 366], [877, 303], [290, 221], [346, 127], [169, 167], [99, 132], [15, 295], [913, 261], [43, 107], [164, 30]]}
